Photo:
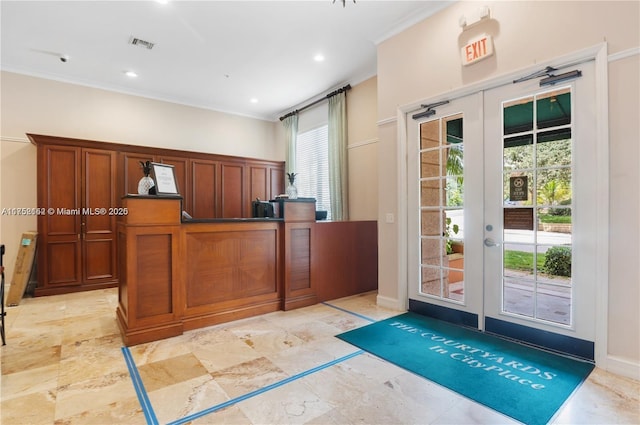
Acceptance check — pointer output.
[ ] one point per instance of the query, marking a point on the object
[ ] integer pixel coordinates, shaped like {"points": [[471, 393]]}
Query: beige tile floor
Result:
{"points": [[64, 364]]}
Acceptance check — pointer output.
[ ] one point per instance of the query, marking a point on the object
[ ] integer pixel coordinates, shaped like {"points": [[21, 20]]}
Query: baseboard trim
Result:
{"points": [[390, 303], [623, 367]]}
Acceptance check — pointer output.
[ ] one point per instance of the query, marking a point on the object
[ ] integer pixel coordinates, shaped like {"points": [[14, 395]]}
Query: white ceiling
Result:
{"points": [[210, 54]]}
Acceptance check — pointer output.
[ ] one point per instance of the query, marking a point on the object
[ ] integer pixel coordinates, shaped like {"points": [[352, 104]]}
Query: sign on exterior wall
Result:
{"points": [[477, 49], [518, 188]]}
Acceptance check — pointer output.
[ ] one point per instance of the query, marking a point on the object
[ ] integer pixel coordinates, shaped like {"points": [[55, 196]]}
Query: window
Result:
{"points": [[312, 167]]}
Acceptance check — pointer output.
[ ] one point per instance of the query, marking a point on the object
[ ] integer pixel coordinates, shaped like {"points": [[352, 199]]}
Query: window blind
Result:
{"points": [[312, 159]]}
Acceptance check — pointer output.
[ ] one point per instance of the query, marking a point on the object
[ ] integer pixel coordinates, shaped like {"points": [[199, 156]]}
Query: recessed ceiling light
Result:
{"points": [[254, 100], [130, 74], [318, 58]]}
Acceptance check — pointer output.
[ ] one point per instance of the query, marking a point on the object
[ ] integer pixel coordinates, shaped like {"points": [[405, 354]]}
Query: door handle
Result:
{"points": [[490, 242]]}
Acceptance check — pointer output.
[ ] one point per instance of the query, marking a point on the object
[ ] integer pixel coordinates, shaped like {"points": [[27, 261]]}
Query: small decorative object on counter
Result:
{"points": [[292, 191], [145, 182]]}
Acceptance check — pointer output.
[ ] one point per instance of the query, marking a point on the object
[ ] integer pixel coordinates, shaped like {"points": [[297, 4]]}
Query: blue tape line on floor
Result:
{"points": [[147, 409], [350, 312], [263, 389]]}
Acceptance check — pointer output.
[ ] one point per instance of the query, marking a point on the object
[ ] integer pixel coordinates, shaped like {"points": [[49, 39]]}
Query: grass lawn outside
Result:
{"points": [[548, 218], [519, 260]]}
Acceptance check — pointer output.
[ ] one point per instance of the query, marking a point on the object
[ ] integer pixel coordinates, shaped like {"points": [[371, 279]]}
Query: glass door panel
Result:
{"points": [[494, 179], [539, 166], [537, 162], [442, 208]]}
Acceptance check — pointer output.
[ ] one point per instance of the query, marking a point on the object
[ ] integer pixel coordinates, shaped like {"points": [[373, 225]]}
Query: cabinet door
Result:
{"points": [[98, 219], [59, 192], [181, 168], [232, 190], [203, 188]]}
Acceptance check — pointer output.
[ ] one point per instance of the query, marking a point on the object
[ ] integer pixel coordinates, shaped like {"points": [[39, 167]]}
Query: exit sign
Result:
{"points": [[477, 49]]}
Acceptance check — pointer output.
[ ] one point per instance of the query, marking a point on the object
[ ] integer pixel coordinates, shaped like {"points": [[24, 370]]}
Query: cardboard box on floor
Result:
{"points": [[22, 268]]}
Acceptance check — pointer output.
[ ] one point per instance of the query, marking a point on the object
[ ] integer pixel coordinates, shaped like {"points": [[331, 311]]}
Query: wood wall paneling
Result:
{"points": [[345, 258], [232, 190], [78, 249], [230, 265], [183, 181], [266, 182], [123, 287], [300, 259], [203, 188], [210, 268], [163, 211], [131, 172], [276, 182], [298, 211], [258, 183], [154, 275], [232, 270], [299, 286], [257, 262]]}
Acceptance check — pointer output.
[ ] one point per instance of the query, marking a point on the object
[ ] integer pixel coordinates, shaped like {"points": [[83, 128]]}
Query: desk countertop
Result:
{"points": [[231, 220]]}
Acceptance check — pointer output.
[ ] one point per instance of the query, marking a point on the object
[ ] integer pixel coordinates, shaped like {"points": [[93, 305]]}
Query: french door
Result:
{"points": [[445, 204], [501, 212]]}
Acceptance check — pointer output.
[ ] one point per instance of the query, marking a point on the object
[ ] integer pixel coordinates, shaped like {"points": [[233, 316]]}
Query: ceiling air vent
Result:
{"points": [[140, 42]]}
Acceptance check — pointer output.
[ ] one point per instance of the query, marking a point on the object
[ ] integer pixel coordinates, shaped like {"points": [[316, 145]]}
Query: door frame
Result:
{"points": [[470, 310], [597, 53]]}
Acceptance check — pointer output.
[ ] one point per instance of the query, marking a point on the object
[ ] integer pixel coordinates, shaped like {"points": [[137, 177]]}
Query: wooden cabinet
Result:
{"points": [[77, 249], [98, 218], [76, 188], [59, 191]]}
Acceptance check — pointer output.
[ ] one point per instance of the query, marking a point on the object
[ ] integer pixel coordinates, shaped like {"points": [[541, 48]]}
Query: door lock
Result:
{"points": [[490, 242]]}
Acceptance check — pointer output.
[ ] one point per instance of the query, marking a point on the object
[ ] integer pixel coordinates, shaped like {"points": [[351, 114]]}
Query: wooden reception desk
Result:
{"points": [[180, 275]]}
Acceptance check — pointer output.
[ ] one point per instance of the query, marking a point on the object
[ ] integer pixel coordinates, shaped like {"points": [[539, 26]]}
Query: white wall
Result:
{"points": [[40, 106], [36, 105], [423, 62], [362, 104]]}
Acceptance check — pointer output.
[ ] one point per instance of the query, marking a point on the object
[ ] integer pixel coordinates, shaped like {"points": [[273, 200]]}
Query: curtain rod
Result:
{"points": [[315, 102]]}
